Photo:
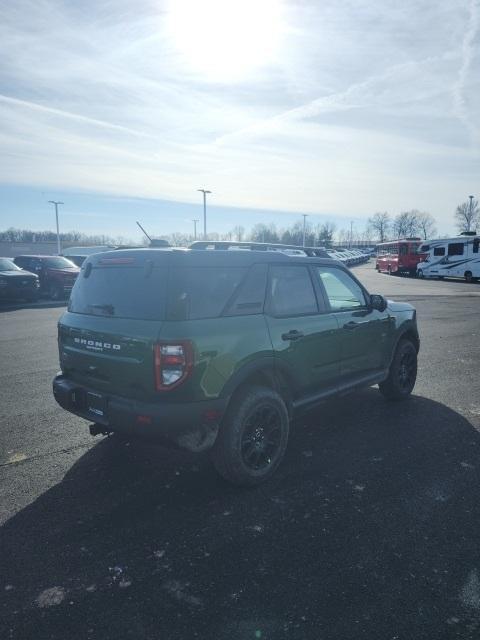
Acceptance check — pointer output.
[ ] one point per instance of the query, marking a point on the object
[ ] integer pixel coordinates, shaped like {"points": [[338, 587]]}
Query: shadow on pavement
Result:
{"points": [[368, 530], [16, 305]]}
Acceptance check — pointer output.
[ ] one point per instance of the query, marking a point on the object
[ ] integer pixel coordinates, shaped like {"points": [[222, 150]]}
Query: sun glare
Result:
{"points": [[225, 39]]}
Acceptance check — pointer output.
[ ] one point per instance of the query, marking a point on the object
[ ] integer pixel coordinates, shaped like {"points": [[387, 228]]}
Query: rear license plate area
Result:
{"points": [[96, 404]]}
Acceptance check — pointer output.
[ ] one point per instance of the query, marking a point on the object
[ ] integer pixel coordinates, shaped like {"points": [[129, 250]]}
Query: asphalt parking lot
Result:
{"points": [[368, 530]]}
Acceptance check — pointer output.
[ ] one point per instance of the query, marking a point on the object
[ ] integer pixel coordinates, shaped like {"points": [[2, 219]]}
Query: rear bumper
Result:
{"points": [[190, 425]]}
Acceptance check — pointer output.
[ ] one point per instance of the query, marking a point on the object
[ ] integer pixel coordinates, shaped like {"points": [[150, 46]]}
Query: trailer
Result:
{"points": [[456, 257]]}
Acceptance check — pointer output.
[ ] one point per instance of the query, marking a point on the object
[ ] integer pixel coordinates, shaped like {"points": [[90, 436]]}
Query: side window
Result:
{"points": [[476, 242], [455, 249], [342, 291], [201, 292], [251, 294], [290, 292], [439, 251], [403, 250]]}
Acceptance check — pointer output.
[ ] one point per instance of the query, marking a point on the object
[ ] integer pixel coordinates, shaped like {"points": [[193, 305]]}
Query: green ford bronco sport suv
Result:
{"points": [[220, 349]]}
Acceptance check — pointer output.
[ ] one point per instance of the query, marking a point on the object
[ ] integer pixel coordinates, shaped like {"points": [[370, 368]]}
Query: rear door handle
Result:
{"points": [[292, 335]]}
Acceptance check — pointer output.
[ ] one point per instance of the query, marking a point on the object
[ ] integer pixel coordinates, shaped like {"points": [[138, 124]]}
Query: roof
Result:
{"points": [[222, 245], [187, 257], [37, 255]]}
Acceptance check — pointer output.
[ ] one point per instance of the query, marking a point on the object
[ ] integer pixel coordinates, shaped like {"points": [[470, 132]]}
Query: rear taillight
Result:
{"points": [[173, 363]]}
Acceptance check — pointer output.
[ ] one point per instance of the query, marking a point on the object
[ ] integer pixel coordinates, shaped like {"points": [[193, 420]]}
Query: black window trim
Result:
{"points": [[229, 308], [365, 307], [267, 305]]}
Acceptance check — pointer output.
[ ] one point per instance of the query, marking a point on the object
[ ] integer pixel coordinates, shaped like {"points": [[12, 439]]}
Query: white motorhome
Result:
{"points": [[457, 257]]}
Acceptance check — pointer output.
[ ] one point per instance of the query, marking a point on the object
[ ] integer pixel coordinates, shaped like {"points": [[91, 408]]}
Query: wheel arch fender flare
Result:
{"points": [[410, 333], [275, 373]]}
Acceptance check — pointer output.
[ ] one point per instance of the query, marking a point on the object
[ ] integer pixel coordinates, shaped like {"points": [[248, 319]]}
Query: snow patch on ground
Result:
{"points": [[470, 593], [51, 597], [177, 589]]}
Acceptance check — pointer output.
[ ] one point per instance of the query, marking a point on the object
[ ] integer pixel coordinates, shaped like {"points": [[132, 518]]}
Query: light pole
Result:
{"points": [[305, 216], [351, 233], [204, 191], [195, 229], [470, 216], [59, 250]]}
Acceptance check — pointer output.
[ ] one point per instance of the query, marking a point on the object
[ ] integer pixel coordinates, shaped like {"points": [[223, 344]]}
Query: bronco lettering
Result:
{"points": [[94, 344]]}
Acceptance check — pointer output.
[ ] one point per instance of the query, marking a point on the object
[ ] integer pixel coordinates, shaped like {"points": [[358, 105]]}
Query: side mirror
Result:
{"points": [[378, 302]]}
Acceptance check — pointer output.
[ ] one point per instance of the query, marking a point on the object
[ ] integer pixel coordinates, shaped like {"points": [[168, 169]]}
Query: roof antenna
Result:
{"points": [[146, 234]]}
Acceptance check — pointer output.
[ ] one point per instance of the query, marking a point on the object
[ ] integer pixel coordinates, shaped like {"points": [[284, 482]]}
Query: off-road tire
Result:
{"points": [[402, 373], [233, 443]]}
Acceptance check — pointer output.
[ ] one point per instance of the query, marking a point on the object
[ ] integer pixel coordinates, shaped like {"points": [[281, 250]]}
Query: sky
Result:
{"points": [[122, 110]]}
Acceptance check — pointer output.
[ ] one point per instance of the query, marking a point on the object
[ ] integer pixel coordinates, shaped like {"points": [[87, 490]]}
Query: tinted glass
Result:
{"points": [[439, 251], [120, 292], [250, 296], [291, 292], [455, 249], [58, 263], [8, 265], [342, 291], [476, 242], [202, 292]]}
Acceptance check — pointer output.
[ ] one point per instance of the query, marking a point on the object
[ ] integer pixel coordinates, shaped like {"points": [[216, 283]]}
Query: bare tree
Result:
{"points": [[343, 236], [426, 225], [406, 224], [263, 233], [379, 225], [467, 216], [238, 233]]}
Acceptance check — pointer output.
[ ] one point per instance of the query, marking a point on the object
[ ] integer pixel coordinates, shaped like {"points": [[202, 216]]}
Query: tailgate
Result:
{"points": [[110, 355]]}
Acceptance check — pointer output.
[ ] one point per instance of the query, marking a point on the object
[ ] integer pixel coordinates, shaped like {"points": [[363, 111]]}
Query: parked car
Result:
{"points": [[77, 260], [78, 255], [17, 284], [218, 349], [57, 274]]}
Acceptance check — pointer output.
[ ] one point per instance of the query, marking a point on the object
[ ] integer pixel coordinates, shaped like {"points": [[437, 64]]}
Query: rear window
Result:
{"points": [[120, 292], [58, 263], [202, 292]]}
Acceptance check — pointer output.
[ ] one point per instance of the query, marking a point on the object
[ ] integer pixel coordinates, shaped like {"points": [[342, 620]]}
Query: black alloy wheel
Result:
{"points": [[262, 437], [407, 370], [253, 436], [402, 374]]}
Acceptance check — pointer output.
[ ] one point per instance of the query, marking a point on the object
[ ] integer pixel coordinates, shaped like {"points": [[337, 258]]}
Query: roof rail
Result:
{"points": [[225, 245]]}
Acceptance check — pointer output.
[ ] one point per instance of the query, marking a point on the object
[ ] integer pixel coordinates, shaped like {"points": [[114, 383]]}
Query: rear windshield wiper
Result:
{"points": [[108, 308]]}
